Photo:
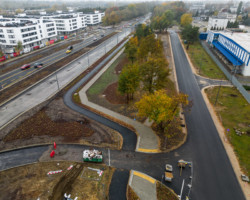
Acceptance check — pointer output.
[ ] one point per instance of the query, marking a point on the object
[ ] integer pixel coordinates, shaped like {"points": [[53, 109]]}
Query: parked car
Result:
{"points": [[25, 66], [95, 39], [70, 48], [38, 65], [102, 35]]}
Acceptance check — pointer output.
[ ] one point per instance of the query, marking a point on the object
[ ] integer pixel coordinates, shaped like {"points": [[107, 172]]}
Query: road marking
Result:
{"points": [[11, 76], [109, 156], [144, 176], [148, 150]]}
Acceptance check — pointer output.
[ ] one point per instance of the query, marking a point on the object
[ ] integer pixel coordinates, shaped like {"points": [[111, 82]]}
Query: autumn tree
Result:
{"points": [[186, 19], [164, 21], [150, 46], [160, 107], [129, 81], [154, 74], [131, 48], [142, 31]]}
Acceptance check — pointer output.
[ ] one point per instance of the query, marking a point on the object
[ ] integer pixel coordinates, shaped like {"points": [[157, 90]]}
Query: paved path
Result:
{"points": [[147, 140]]}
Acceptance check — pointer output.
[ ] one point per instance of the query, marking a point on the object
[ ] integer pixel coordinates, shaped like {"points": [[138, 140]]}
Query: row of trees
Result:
{"points": [[115, 15], [233, 24], [167, 14], [148, 70]]}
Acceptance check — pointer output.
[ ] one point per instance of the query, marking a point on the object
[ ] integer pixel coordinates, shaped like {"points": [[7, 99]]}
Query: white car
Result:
{"points": [[94, 39]]}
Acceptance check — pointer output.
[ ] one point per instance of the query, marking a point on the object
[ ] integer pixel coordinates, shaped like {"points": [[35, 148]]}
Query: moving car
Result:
{"points": [[70, 48], [25, 66], [38, 65]]}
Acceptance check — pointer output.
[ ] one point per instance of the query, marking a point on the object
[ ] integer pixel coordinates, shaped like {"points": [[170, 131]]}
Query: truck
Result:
{"points": [[92, 156], [169, 176]]}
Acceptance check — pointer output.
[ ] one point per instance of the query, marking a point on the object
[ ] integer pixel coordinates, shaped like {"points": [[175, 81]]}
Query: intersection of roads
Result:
{"points": [[211, 176]]}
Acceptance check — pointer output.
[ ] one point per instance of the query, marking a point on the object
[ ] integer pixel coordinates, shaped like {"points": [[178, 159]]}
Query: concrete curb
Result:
{"points": [[227, 146], [100, 109]]}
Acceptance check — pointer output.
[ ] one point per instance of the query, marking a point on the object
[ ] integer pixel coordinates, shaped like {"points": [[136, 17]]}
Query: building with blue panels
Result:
{"points": [[234, 46]]}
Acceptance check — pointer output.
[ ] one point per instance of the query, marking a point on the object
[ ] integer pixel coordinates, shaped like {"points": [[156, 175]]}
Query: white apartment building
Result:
{"points": [[68, 23], [216, 22], [94, 18], [31, 32]]}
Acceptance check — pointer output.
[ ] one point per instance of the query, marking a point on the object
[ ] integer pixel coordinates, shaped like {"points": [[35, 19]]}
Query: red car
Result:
{"points": [[26, 66]]}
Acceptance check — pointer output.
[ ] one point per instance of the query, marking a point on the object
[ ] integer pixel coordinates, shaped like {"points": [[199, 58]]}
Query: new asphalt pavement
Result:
{"points": [[212, 175]]}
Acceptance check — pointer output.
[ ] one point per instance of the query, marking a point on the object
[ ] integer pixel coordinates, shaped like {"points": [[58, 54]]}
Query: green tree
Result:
{"points": [[154, 74], [160, 107], [186, 19], [149, 46], [19, 46], [131, 49], [142, 31], [239, 8], [190, 34], [129, 81]]}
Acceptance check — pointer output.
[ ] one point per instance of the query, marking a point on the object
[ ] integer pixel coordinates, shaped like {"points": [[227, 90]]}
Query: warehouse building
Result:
{"points": [[235, 47]]}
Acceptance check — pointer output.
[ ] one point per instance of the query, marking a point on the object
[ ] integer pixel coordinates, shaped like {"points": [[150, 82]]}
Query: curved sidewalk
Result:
{"points": [[147, 141]]}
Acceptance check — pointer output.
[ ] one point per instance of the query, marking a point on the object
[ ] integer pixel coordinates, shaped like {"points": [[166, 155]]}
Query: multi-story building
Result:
{"points": [[37, 30], [31, 32], [94, 18], [235, 47], [217, 23]]}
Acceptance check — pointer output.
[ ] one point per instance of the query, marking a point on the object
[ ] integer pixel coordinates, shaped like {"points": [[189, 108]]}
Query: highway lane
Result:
{"points": [[49, 86], [214, 177], [16, 75]]}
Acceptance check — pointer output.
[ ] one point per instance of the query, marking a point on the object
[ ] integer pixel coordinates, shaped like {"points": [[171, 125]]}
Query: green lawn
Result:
{"points": [[234, 112], [107, 77], [203, 63]]}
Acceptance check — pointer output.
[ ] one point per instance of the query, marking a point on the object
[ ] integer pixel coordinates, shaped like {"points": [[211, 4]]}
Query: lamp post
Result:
{"points": [[57, 83], [217, 93]]}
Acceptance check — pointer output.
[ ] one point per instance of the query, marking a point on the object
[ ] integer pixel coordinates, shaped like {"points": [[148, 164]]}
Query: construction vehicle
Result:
{"points": [[169, 176], [182, 163], [92, 156]]}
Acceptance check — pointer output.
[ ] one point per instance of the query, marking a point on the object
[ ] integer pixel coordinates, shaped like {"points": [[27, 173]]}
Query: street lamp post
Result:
{"points": [[57, 83], [217, 93]]}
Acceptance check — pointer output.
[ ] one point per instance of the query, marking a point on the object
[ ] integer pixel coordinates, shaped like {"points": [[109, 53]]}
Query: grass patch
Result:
{"points": [[203, 62], [107, 77], [165, 193], [234, 111]]}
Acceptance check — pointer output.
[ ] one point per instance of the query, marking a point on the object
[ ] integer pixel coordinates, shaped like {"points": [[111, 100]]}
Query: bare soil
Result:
{"points": [[56, 122], [32, 181]]}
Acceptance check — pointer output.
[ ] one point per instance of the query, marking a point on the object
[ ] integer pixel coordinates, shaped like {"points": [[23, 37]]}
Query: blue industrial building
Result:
{"points": [[234, 46]]}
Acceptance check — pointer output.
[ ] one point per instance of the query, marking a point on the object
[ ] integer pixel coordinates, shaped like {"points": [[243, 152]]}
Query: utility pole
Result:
{"points": [[217, 93], [57, 82]]}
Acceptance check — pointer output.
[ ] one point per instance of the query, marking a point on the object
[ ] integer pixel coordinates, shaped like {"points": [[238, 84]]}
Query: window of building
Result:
{"points": [[3, 41], [1, 30], [11, 36], [12, 41], [1, 36], [10, 31]]}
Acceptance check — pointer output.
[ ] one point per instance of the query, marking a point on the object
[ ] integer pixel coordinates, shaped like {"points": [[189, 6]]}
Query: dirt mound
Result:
{"points": [[65, 183], [113, 96]]}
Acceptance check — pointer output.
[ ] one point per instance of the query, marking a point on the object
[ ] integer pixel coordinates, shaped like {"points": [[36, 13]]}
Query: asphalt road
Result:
{"points": [[214, 177], [16, 75]]}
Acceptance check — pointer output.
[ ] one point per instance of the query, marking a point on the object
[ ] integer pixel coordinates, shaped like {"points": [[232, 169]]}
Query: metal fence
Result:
{"points": [[230, 76]]}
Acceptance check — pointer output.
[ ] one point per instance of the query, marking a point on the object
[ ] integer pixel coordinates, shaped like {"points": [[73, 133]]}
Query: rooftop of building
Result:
{"points": [[17, 24], [243, 39]]}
